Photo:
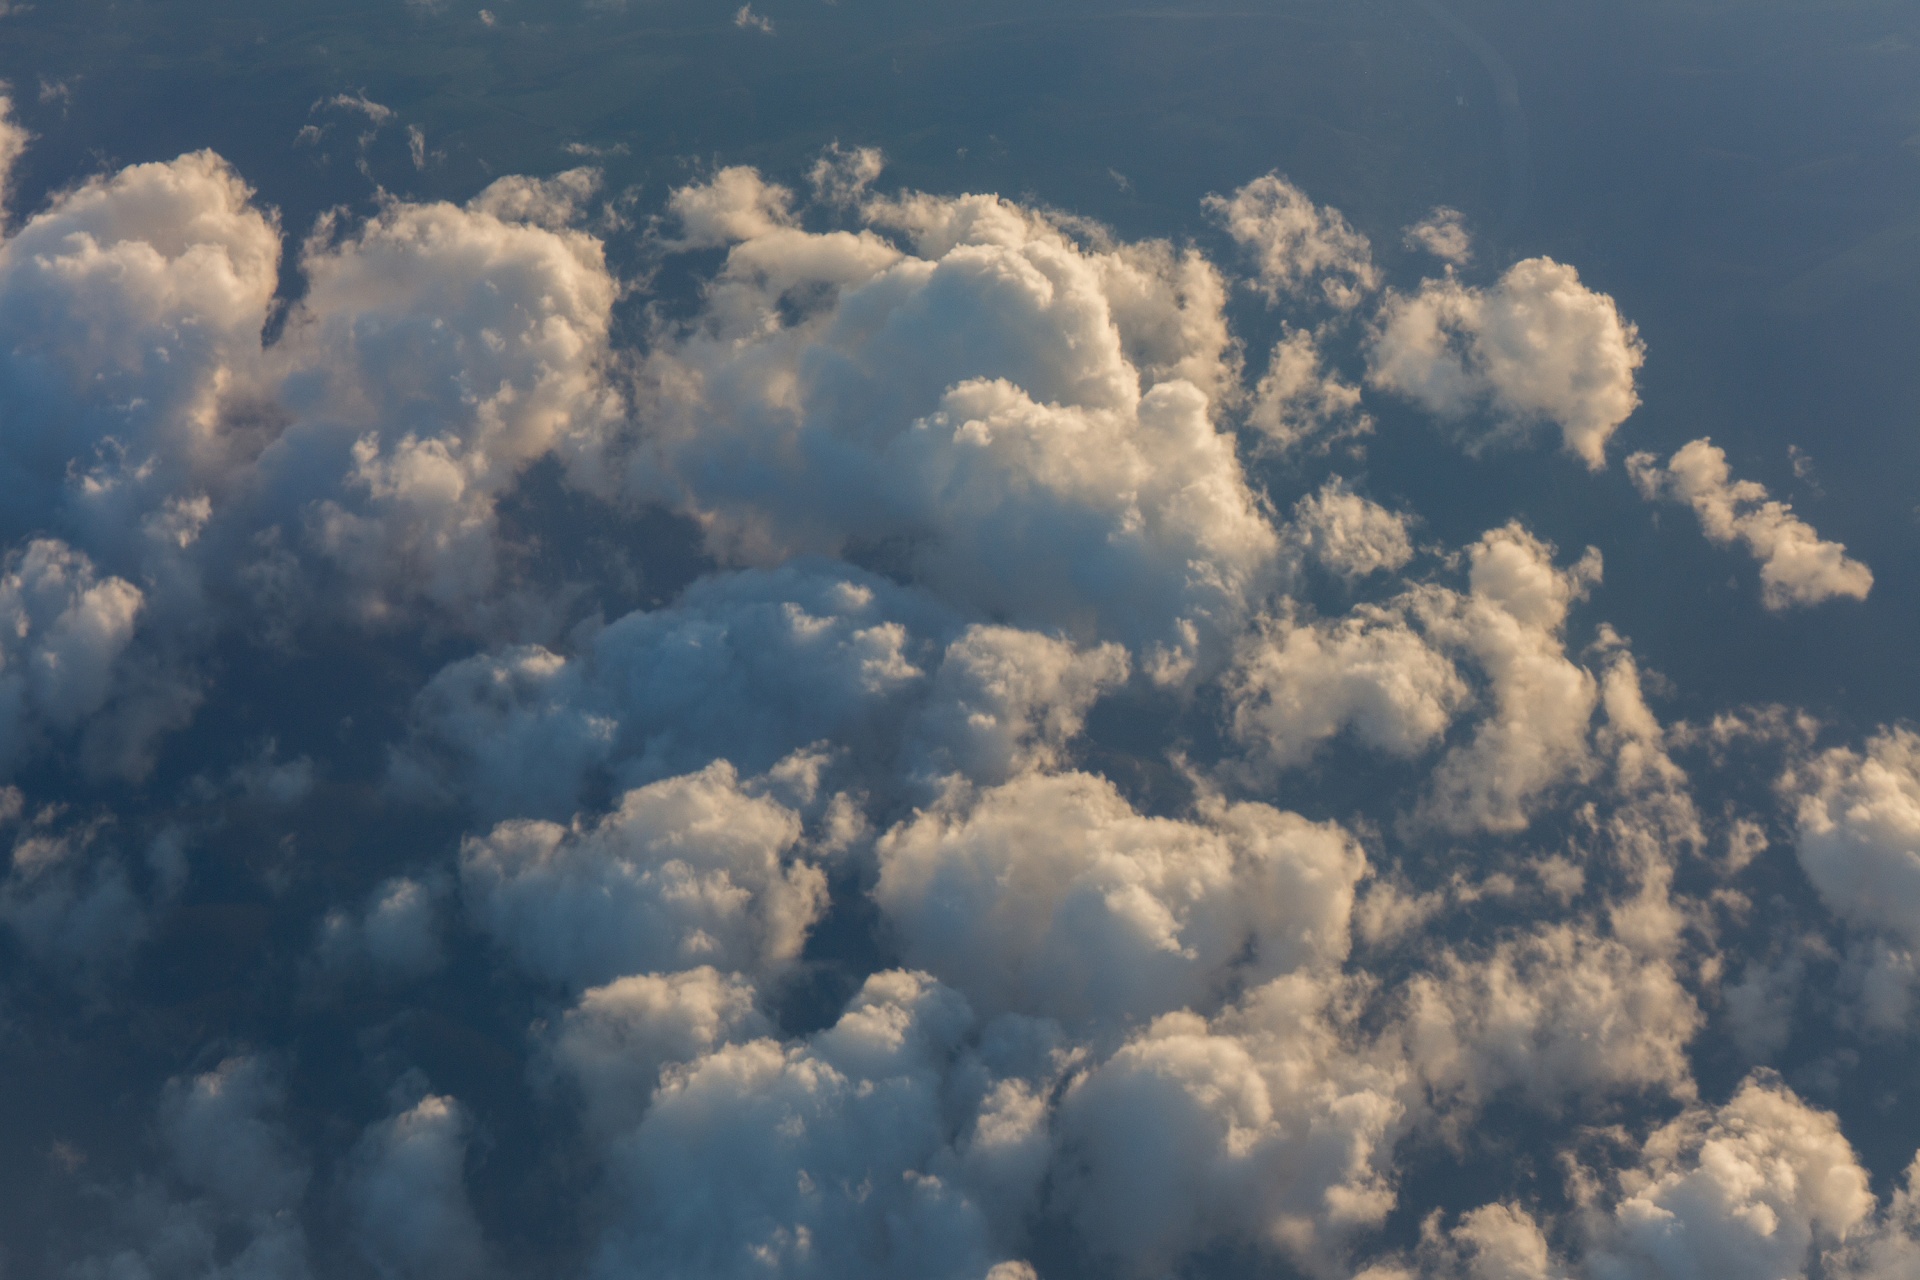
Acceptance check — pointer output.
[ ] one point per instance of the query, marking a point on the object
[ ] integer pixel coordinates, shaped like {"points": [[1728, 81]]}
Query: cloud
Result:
{"points": [[1348, 534], [1016, 418], [1561, 1015], [1797, 566], [751, 666], [970, 477], [614, 1043], [1005, 702], [1298, 401], [437, 353], [67, 898], [1538, 346], [128, 308], [395, 936], [1390, 673], [243, 1182], [407, 1194], [1296, 243], [63, 630], [1857, 834], [1050, 896], [829, 1157], [1443, 233], [841, 175], [699, 869], [1535, 735], [1750, 1188], [13, 144], [747, 20], [1295, 685], [554, 203], [1263, 1128]]}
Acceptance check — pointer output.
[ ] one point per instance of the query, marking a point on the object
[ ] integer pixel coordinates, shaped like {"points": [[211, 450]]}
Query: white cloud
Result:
{"points": [[1443, 233], [129, 308], [1296, 243], [407, 1193], [1264, 1128], [1004, 702], [827, 1158], [1017, 410], [1858, 830], [1295, 685], [693, 870], [1752, 1188], [438, 351], [842, 175], [1559, 1015], [615, 1041], [1797, 566], [1051, 896], [1388, 673], [1298, 401], [555, 203], [13, 144], [1534, 736], [1348, 534], [1538, 346], [751, 666]]}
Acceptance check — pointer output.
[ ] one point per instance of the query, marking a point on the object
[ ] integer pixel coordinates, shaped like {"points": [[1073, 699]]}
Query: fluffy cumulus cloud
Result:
{"points": [[1555, 1016], [1265, 1127], [1297, 245], [1019, 417], [435, 352], [229, 1203], [1536, 347], [1857, 834], [1298, 683], [1391, 674], [133, 307], [1756, 1187], [749, 666], [438, 351], [1051, 896], [1349, 534], [1042, 822], [1443, 233], [1301, 404], [1797, 565], [698, 869], [828, 1158]]}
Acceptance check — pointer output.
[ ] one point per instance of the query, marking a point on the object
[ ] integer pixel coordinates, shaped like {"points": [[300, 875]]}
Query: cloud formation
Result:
{"points": [[1053, 826], [1797, 566], [1536, 347]]}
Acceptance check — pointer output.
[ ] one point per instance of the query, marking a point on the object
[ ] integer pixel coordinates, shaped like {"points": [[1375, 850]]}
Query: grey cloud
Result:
{"points": [[407, 1193]]}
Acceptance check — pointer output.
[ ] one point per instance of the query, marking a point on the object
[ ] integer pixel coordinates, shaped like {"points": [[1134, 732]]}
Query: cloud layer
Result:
{"points": [[901, 758]]}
